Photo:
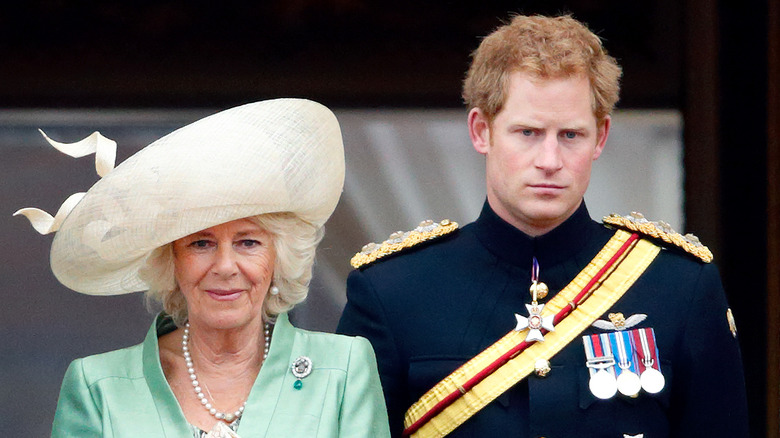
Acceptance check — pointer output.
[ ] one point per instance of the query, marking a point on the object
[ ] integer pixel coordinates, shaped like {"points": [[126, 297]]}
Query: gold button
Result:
{"points": [[542, 368]]}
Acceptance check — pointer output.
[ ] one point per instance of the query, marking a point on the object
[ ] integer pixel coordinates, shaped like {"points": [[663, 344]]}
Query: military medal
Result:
{"points": [[603, 385], [651, 378], [535, 321], [628, 382], [601, 366]]}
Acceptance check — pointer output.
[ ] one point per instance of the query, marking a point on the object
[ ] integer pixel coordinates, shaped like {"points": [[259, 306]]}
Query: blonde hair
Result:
{"points": [[295, 242], [547, 47]]}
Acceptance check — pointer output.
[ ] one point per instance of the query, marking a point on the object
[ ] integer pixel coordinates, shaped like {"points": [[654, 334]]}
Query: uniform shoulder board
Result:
{"points": [[663, 231], [399, 241]]}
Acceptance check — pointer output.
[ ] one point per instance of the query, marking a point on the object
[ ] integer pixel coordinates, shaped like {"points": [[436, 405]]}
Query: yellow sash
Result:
{"points": [[617, 280]]}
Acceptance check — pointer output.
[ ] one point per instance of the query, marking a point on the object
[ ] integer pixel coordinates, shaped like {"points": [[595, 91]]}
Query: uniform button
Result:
{"points": [[542, 369]]}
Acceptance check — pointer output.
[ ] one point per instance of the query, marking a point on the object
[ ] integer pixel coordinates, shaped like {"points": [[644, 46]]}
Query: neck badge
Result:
{"points": [[535, 321]]}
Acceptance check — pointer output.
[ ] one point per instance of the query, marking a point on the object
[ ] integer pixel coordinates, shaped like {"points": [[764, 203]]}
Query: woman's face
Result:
{"points": [[224, 273]]}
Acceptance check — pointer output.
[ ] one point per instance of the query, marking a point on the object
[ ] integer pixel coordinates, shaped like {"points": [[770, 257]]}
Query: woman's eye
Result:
{"points": [[200, 244], [249, 243]]}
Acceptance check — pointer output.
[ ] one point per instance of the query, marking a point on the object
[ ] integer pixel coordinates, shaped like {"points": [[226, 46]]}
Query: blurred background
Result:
{"points": [[694, 141]]}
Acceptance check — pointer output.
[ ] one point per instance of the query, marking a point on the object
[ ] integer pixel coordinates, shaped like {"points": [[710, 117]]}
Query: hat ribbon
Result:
{"points": [[105, 158]]}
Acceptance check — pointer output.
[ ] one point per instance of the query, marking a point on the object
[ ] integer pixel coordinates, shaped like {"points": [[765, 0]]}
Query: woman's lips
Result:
{"points": [[224, 295]]}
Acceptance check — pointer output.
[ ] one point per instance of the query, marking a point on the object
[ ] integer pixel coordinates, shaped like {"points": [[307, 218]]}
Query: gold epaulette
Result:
{"points": [[398, 241], [663, 231]]}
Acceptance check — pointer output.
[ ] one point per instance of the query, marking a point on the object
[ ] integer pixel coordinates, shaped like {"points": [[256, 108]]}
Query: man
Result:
{"points": [[632, 340]]}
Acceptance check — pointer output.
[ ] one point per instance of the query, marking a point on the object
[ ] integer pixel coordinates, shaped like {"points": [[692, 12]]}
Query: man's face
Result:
{"points": [[539, 150]]}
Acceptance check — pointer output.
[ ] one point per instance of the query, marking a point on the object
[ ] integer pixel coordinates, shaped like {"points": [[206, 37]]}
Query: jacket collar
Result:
{"points": [[513, 246], [265, 392]]}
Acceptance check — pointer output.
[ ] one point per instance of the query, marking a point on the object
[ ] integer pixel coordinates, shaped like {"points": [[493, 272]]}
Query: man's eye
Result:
{"points": [[570, 135], [527, 132]]}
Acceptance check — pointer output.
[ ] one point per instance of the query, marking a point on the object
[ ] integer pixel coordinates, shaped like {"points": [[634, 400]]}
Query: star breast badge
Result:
{"points": [[534, 322]]}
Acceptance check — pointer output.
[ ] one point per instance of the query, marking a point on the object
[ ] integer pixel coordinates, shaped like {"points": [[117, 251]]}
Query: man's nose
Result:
{"points": [[549, 154]]}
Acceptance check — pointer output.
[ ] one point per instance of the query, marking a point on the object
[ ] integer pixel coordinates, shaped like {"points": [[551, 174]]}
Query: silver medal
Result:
{"points": [[628, 383], [603, 385], [652, 380]]}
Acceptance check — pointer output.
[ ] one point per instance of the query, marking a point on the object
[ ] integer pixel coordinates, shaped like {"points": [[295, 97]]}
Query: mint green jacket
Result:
{"points": [[124, 393]]}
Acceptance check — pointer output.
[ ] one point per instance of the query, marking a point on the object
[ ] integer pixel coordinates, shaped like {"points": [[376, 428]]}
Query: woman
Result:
{"points": [[219, 222]]}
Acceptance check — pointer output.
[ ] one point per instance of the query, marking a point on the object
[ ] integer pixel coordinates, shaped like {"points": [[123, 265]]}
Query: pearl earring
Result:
{"points": [[274, 290]]}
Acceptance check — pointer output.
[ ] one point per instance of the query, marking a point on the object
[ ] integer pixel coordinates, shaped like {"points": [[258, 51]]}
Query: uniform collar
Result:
{"points": [[512, 245]]}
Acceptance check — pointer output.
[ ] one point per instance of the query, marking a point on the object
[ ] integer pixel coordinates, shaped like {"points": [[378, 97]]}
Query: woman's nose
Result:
{"points": [[225, 262]]}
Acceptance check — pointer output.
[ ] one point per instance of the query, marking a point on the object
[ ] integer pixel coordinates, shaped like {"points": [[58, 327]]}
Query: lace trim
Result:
{"points": [[220, 430]]}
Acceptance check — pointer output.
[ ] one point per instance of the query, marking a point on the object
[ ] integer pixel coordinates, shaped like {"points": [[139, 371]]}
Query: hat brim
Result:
{"points": [[282, 155]]}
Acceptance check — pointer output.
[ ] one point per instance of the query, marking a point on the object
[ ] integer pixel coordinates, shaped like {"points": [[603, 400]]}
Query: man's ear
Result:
{"points": [[479, 130], [603, 133]]}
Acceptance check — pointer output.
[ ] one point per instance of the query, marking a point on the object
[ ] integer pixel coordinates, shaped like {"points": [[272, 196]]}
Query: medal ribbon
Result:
{"points": [[621, 345], [535, 271], [598, 352], [648, 353], [601, 365]]}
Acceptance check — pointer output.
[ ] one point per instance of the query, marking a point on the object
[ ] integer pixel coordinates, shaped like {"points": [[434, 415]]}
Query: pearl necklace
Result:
{"points": [[228, 417]]}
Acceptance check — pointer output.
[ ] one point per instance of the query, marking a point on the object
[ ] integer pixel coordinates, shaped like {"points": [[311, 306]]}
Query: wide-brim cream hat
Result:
{"points": [[282, 155]]}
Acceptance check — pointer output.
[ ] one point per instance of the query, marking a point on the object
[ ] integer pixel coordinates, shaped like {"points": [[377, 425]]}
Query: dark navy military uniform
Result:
{"points": [[431, 308]]}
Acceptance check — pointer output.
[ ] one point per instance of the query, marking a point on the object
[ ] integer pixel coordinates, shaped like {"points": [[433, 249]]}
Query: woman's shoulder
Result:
{"points": [[337, 350], [327, 340], [124, 363]]}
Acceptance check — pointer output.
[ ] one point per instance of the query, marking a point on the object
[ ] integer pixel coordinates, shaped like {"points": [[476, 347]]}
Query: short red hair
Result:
{"points": [[547, 47]]}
